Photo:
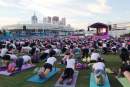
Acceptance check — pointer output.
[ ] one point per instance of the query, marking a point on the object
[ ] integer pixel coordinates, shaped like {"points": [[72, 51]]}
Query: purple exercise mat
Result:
{"points": [[24, 67], [2, 68]]}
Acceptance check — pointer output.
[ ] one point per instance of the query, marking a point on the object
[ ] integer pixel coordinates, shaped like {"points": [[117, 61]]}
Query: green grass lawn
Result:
{"points": [[19, 80]]}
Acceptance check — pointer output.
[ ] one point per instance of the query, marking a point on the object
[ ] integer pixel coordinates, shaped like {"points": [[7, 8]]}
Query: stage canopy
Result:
{"points": [[98, 25], [101, 28]]}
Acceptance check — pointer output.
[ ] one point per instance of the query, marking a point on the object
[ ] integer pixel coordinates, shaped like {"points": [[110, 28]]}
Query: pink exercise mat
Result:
{"points": [[24, 67]]}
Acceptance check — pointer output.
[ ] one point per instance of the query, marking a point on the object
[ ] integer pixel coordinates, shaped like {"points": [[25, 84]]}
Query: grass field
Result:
{"points": [[19, 80]]}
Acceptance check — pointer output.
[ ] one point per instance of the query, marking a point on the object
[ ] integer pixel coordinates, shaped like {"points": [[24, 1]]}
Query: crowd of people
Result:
{"points": [[15, 53]]}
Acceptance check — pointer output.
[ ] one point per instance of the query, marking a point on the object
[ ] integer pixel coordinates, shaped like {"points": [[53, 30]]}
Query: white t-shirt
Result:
{"points": [[113, 47], [56, 50], [104, 45], [7, 42], [22, 43], [12, 56], [26, 58], [37, 49], [99, 66], [51, 60], [95, 56], [13, 46], [27, 48], [3, 52], [123, 44], [47, 51], [53, 46], [70, 63]]}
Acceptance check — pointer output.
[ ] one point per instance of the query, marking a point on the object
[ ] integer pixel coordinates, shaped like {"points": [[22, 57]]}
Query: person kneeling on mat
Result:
{"points": [[66, 56], [99, 72], [69, 71], [124, 55], [94, 56], [18, 63], [43, 72]]}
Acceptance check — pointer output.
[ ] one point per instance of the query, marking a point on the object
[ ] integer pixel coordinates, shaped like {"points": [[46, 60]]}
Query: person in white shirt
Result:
{"points": [[114, 49], [94, 56], [45, 54], [99, 66], [26, 59], [69, 71], [18, 62], [22, 42], [26, 49], [104, 49], [37, 49], [13, 45], [99, 72], [12, 56], [58, 51], [3, 51], [124, 45], [66, 56], [104, 44], [43, 72], [47, 51]]}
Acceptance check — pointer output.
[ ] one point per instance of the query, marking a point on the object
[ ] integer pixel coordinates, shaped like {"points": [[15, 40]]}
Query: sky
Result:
{"points": [[79, 13]]}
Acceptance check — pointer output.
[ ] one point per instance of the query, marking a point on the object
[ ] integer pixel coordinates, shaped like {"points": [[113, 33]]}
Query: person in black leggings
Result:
{"points": [[123, 68], [124, 55]]}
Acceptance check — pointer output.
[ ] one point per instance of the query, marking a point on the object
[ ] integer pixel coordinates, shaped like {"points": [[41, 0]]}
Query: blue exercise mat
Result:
{"points": [[36, 78], [93, 82]]}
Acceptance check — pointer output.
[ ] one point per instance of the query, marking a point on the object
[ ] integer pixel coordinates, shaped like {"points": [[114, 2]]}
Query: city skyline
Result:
{"points": [[79, 13]]}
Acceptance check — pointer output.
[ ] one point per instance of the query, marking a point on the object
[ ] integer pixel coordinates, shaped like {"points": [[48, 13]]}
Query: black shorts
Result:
{"points": [[125, 59], [47, 66], [6, 57], [105, 48], [44, 56], [35, 58], [68, 73], [114, 49], [125, 68], [19, 62]]}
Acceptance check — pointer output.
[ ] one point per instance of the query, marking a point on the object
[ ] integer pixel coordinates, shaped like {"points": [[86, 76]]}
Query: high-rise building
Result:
{"points": [[49, 19], [68, 25], [55, 20], [63, 21], [34, 19], [51, 26], [44, 20]]}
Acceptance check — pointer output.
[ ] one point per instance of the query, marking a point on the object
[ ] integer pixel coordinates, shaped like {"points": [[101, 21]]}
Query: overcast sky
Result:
{"points": [[79, 13]]}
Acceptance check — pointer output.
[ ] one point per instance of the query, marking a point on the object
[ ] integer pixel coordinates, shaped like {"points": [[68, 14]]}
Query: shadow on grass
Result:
{"points": [[114, 81]]}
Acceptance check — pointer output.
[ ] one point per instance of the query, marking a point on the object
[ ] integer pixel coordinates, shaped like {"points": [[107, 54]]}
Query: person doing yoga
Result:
{"points": [[44, 71], [69, 71]]}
